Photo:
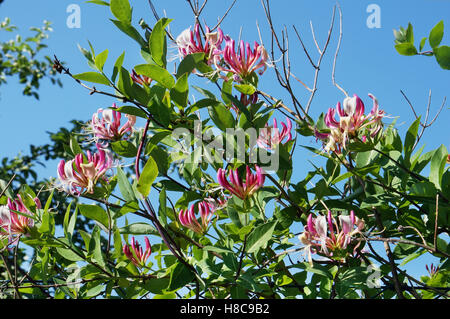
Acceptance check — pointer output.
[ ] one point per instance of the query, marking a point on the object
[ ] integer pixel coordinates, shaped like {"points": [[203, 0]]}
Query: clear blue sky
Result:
{"points": [[367, 63]]}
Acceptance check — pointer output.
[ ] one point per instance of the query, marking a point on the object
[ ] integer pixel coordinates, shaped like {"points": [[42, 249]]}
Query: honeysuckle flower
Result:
{"points": [[140, 78], [106, 125], [83, 172], [322, 235], [270, 136], [189, 220], [245, 61], [189, 42], [136, 254], [16, 219], [238, 187], [432, 270], [352, 123]]}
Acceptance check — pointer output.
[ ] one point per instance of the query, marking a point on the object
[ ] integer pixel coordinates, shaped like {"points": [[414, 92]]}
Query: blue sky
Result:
{"points": [[367, 62]]}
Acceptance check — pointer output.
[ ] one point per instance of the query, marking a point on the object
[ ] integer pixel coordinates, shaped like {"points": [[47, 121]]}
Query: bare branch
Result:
{"points": [[223, 17], [336, 54], [304, 48]]}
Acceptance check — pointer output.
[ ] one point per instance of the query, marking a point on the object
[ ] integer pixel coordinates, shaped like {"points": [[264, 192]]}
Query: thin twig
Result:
{"points": [[333, 72]]}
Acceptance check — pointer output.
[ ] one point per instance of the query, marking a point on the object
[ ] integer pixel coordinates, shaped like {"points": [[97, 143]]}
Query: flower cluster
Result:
{"points": [[16, 219], [106, 126], [188, 219], [83, 172], [245, 61], [241, 62], [352, 123], [322, 235], [238, 187], [136, 254], [432, 270], [270, 136], [189, 42]]}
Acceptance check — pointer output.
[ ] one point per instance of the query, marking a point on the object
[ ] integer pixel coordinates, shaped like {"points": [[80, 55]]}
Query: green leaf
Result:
{"points": [[179, 277], [157, 42], [180, 92], [121, 9], [247, 89], [237, 103], [48, 223], [410, 138], [148, 176], [423, 189], [234, 216], [66, 221], [218, 250], [124, 186], [74, 146], [94, 212], [422, 43], [436, 34], [100, 60], [162, 210], [442, 55], [95, 248], [124, 148], [129, 30], [69, 254], [437, 166], [156, 73], [117, 66], [189, 63], [410, 33], [406, 49], [100, 2], [93, 77], [125, 84], [315, 268], [221, 116], [260, 236], [132, 110]]}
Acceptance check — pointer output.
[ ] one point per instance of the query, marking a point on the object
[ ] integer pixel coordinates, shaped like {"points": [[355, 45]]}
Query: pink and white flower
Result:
{"points": [[245, 61], [81, 174], [16, 219], [106, 125], [189, 42], [189, 220], [238, 187], [322, 235], [270, 136], [352, 123], [136, 253]]}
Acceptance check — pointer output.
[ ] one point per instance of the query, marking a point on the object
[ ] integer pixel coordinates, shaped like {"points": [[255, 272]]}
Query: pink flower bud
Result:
{"points": [[136, 254], [270, 136], [238, 187], [189, 220]]}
